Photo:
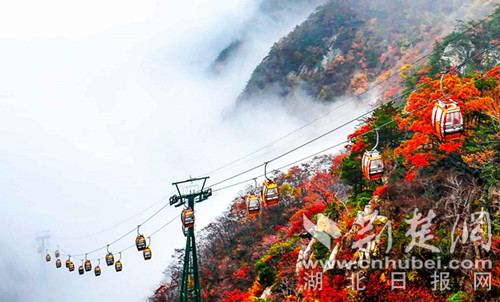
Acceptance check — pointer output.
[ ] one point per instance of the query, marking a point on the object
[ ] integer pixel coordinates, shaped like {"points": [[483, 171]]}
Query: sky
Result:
{"points": [[103, 104]]}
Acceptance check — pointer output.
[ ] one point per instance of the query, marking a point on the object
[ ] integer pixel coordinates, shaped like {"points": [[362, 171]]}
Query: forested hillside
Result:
{"points": [[452, 187], [346, 46]]}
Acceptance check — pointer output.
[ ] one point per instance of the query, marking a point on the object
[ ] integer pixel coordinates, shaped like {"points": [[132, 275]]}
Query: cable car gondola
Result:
{"points": [[71, 266], [270, 190], [147, 251], [57, 253], [88, 264], [140, 241], [253, 205], [270, 193], [187, 217], [372, 163], [47, 257], [184, 230], [447, 120], [118, 264], [58, 263], [97, 269], [110, 259], [81, 271], [68, 261]]}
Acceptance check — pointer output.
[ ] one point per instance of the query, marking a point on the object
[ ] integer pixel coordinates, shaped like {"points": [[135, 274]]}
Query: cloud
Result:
{"points": [[102, 107]]}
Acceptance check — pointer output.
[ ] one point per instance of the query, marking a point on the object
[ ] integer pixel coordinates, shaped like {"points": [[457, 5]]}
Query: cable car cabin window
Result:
{"points": [[454, 121], [110, 259], [272, 192], [253, 204]]}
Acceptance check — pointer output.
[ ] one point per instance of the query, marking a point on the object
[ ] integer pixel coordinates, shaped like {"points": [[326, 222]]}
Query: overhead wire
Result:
{"points": [[362, 134], [346, 123], [273, 159], [474, 26]]}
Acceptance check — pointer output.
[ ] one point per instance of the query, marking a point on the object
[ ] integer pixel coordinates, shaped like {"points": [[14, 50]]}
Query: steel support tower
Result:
{"points": [[192, 194]]}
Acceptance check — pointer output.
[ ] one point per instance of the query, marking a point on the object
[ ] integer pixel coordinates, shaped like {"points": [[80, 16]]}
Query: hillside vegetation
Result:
{"points": [[346, 46], [455, 184]]}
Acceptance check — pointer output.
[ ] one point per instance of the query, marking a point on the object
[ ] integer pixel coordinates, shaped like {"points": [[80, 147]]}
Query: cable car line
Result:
{"points": [[369, 131], [345, 103], [116, 225], [352, 120], [292, 150]]}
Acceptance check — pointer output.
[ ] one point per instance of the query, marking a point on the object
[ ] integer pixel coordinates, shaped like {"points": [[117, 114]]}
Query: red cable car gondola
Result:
{"points": [[187, 217], [373, 166], [447, 118], [372, 163]]}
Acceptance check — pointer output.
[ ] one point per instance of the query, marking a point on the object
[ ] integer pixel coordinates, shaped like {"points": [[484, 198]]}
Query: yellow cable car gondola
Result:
{"points": [[71, 266], [58, 263], [187, 217], [270, 193], [270, 190], [147, 251], [140, 241], [372, 163], [68, 261], [88, 264], [97, 269], [47, 257], [80, 269], [253, 204], [110, 259], [118, 264]]}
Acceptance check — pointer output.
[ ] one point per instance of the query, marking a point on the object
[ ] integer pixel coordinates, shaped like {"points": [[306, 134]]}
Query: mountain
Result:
{"points": [[346, 46], [438, 201]]}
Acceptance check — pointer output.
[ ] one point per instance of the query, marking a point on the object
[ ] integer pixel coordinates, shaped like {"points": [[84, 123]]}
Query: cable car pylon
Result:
{"points": [[191, 285]]}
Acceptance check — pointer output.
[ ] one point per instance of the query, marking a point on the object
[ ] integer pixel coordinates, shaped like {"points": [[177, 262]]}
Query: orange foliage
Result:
{"points": [[419, 151]]}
